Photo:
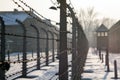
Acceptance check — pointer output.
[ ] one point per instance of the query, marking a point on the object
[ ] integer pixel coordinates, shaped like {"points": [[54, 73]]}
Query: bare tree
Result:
{"points": [[90, 22], [108, 22], [87, 19]]}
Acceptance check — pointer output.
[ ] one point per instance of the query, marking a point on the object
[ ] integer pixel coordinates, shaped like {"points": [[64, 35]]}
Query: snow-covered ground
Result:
{"points": [[96, 70], [46, 73], [93, 70], [16, 67], [116, 57]]}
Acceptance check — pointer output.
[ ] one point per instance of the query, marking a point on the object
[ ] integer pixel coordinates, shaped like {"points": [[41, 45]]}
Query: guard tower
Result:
{"points": [[102, 37]]}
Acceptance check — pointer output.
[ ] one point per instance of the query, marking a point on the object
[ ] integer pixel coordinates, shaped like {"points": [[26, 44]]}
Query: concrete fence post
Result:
{"points": [[115, 69]]}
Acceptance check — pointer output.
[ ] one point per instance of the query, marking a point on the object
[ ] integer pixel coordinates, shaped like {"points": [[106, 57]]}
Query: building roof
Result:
{"points": [[115, 27], [102, 28], [10, 17]]}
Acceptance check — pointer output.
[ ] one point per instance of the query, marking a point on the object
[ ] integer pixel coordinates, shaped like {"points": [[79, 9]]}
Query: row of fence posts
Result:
{"points": [[24, 65], [101, 56], [18, 55], [82, 49], [79, 47]]}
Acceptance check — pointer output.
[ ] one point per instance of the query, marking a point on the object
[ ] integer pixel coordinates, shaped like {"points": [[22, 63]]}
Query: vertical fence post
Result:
{"points": [[63, 60], [53, 54], [115, 69], [57, 40], [47, 47], [107, 58], [2, 53], [53, 50], [24, 65], [18, 57], [82, 46], [47, 52], [8, 53], [100, 54], [38, 46], [102, 58], [32, 54], [74, 45]]}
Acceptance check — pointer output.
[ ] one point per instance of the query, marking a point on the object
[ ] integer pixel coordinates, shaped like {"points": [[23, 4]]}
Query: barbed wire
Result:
{"points": [[31, 14], [18, 72], [40, 14], [20, 61], [28, 60], [70, 3], [63, 9], [44, 58], [76, 59], [54, 3], [81, 56], [36, 11], [11, 34], [34, 37]]}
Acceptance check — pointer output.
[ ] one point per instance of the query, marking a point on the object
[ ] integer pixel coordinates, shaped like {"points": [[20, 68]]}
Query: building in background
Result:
{"points": [[114, 38], [102, 37], [14, 31]]}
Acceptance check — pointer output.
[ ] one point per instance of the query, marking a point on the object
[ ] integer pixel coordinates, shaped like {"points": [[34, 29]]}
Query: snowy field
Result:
{"points": [[96, 70], [112, 57], [16, 67], [49, 72], [116, 57]]}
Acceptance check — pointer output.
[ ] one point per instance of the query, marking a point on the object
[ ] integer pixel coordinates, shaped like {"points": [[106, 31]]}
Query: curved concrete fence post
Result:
{"points": [[24, 65], [38, 45], [47, 47]]}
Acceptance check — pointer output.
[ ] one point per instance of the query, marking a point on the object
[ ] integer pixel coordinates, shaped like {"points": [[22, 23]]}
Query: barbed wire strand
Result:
{"points": [[36, 11], [37, 19]]}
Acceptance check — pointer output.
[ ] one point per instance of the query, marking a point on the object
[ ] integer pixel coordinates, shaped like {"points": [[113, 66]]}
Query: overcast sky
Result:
{"points": [[105, 8]]}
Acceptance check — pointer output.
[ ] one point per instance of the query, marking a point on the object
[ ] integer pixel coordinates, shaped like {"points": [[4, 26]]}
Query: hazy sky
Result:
{"points": [[105, 8]]}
